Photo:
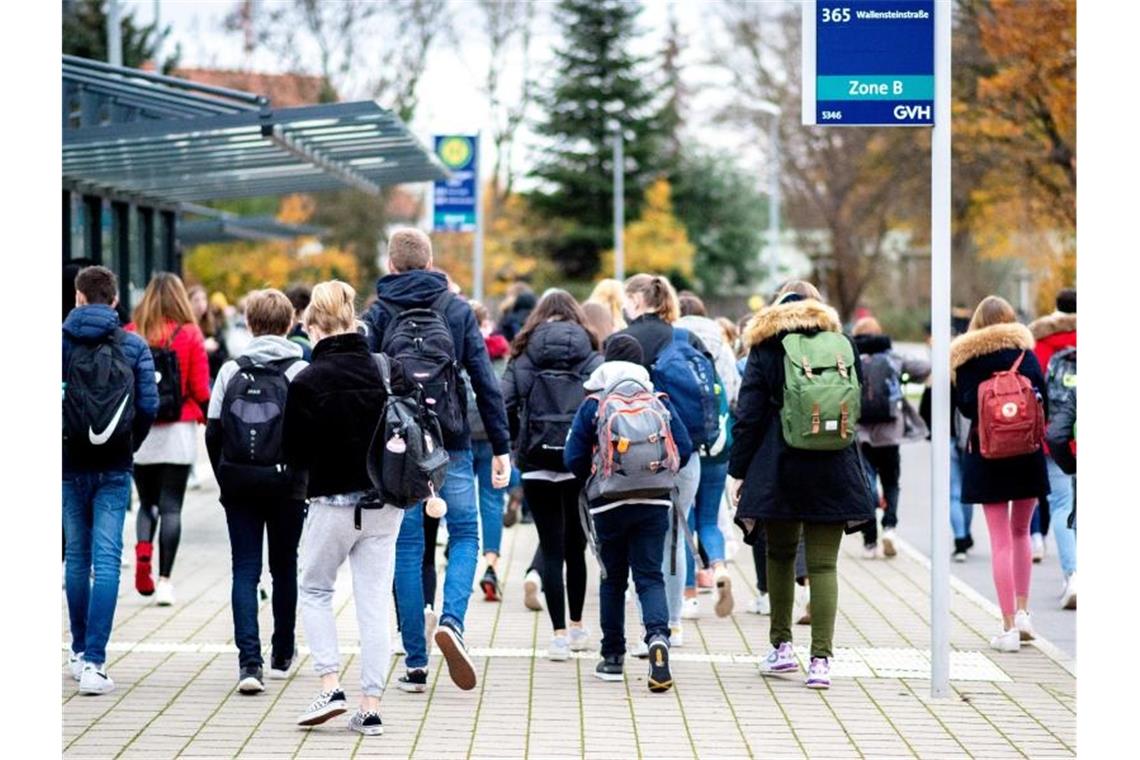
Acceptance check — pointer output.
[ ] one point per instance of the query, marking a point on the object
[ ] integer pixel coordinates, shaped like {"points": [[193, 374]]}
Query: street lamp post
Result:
{"points": [[619, 203]]}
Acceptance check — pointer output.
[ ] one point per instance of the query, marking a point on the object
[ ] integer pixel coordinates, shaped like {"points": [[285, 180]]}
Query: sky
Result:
{"points": [[450, 96]]}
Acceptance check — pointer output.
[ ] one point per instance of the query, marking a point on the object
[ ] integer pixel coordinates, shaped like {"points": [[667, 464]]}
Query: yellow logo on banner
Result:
{"points": [[455, 152]]}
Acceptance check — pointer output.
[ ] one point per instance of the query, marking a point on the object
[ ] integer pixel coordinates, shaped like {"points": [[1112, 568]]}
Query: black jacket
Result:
{"points": [[418, 289], [513, 321], [974, 357], [331, 414], [654, 334], [553, 345], [780, 482]]}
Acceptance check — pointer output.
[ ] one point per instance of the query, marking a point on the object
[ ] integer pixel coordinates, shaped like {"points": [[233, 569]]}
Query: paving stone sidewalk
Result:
{"points": [[175, 669]]}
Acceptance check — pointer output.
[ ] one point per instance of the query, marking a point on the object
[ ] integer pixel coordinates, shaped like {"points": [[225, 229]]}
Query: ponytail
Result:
{"points": [[657, 294]]}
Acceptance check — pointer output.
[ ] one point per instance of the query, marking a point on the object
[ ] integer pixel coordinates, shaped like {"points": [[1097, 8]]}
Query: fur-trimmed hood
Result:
{"points": [[796, 316], [1051, 324], [987, 340]]}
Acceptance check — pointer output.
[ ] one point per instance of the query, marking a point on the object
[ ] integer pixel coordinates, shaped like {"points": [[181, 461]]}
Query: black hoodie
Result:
{"points": [[419, 288]]}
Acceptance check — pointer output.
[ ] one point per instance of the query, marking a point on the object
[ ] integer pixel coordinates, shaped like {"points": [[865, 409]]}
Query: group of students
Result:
{"points": [[629, 418]]}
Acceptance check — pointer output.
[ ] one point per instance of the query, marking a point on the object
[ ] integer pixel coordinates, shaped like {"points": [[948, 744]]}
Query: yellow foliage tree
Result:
{"points": [[657, 242]]}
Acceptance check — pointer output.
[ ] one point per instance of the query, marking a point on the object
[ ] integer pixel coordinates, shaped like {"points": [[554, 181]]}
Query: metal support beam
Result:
{"points": [[146, 232], [66, 237], [170, 262], [305, 153], [93, 228], [121, 241]]}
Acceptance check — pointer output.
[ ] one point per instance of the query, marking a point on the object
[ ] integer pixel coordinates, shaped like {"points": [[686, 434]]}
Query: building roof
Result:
{"points": [[283, 90]]}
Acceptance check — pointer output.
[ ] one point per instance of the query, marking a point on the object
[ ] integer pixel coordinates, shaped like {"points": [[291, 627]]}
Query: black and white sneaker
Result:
{"points": [[660, 679], [279, 667], [367, 723], [94, 680], [414, 681], [459, 665], [610, 668], [328, 704], [250, 680]]}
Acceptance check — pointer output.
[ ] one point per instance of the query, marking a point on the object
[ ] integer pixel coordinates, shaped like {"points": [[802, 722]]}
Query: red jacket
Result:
{"points": [[190, 348]]}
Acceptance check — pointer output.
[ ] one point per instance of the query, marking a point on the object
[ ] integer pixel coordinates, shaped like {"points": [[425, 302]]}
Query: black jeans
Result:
{"points": [[882, 462], [555, 508], [162, 487], [631, 538], [247, 523]]}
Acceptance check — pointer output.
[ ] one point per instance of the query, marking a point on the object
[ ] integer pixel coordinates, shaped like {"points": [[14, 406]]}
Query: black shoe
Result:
{"points": [[961, 545], [660, 679], [414, 681], [367, 723], [514, 506], [610, 668], [969, 542], [490, 586], [279, 667], [328, 704], [459, 665], [250, 680]]}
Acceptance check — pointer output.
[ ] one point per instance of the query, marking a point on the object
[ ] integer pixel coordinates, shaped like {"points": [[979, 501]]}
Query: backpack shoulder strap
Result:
{"points": [[393, 310], [385, 368], [681, 336], [441, 302], [1017, 364], [173, 335], [244, 362]]}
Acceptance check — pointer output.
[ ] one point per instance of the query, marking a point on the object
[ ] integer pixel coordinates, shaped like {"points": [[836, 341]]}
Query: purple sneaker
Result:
{"points": [[780, 660], [819, 674]]}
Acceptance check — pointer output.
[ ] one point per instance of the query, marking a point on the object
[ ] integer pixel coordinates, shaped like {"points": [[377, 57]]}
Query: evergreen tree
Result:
{"points": [[672, 112], [597, 81], [85, 35]]}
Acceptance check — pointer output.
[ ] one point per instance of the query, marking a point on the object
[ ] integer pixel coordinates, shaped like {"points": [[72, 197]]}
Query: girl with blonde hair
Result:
{"points": [[610, 294]]}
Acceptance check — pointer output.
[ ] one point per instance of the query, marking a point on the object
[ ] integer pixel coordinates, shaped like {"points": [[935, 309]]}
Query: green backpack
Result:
{"points": [[821, 392]]}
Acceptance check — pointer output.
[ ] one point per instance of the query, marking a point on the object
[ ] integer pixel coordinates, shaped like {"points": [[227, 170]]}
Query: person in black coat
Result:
{"points": [[783, 490], [514, 319], [994, 343]]}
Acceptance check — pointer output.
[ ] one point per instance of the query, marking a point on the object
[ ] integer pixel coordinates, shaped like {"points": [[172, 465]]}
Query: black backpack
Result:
{"points": [[168, 377], [419, 341], [98, 401], [407, 461], [547, 414], [1061, 376], [882, 388], [253, 421]]}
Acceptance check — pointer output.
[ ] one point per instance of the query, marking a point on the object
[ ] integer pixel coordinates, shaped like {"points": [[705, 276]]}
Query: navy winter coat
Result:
{"points": [[419, 288]]}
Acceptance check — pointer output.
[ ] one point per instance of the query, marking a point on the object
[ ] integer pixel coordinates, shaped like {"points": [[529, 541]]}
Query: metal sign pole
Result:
{"points": [[478, 265], [619, 207], [114, 35], [940, 334]]}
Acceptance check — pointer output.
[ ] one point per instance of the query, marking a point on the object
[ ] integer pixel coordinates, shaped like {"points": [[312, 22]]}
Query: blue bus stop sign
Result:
{"points": [[454, 200], [868, 62]]}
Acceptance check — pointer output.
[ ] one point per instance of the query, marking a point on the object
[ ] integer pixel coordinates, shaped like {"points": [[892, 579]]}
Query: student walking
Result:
{"points": [[109, 403], [1003, 468], [794, 469], [262, 496], [332, 412], [551, 357], [418, 322], [646, 444], [165, 320], [887, 421]]}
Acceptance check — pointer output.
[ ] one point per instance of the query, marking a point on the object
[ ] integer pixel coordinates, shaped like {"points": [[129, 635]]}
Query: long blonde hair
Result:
{"points": [[993, 310], [609, 293], [657, 294], [331, 308], [165, 299]]}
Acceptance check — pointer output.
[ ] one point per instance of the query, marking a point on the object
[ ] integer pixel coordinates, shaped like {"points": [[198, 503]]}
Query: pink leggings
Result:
{"points": [[1009, 545]]}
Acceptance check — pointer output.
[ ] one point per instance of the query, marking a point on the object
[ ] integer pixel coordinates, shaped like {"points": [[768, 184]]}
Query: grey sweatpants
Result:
{"points": [[687, 481], [330, 537]]}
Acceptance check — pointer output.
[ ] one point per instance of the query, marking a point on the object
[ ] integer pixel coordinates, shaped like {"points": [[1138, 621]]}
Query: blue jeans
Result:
{"points": [[462, 556], [631, 538], [961, 515], [94, 507], [490, 498], [1060, 507], [702, 519]]}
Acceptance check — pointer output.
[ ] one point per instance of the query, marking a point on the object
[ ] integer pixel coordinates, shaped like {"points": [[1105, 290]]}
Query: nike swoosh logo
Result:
{"points": [[98, 439]]}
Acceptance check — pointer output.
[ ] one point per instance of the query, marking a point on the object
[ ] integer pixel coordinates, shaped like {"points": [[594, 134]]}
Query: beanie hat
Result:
{"points": [[623, 348], [1067, 301]]}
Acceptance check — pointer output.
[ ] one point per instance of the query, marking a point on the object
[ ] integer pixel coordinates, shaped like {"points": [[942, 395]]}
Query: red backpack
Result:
{"points": [[1011, 421]]}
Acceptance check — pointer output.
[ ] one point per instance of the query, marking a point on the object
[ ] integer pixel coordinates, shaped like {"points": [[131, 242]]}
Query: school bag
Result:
{"points": [[822, 398], [1011, 421], [253, 422], [407, 461], [1061, 376], [168, 378], [689, 378], [419, 341], [98, 401], [547, 414], [882, 388]]}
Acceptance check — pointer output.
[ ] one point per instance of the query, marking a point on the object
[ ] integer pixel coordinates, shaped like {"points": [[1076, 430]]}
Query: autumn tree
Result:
{"points": [[656, 242]]}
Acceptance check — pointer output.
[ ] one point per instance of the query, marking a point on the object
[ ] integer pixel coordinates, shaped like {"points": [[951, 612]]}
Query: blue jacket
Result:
{"points": [[418, 289], [92, 323]]}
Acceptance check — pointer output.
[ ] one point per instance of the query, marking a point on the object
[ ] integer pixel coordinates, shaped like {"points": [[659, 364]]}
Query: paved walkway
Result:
{"points": [[175, 669]]}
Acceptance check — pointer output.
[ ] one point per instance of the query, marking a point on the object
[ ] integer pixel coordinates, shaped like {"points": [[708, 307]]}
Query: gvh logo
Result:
{"points": [[903, 113]]}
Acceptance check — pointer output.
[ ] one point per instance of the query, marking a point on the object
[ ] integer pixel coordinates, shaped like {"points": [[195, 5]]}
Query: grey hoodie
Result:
{"points": [[265, 348], [608, 373]]}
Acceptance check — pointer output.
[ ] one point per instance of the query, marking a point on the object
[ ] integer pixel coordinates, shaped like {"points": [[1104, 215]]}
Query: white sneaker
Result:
{"points": [[75, 663], [872, 552], [959, 557], [690, 608], [1007, 641], [431, 620], [532, 587], [164, 593], [761, 605], [676, 637], [1037, 541], [1069, 593], [559, 649], [889, 543], [723, 582], [94, 680], [640, 649], [579, 639], [398, 644], [1023, 626]]}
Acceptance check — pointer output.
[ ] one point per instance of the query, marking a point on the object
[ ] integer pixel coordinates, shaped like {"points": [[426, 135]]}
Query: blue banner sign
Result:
{"points": [[455, 199], [869, 62]]}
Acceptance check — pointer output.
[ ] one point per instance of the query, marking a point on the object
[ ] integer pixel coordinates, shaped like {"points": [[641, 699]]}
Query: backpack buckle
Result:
{"points": [[843, 420], [815, 419], [807, 367], [841, 366]]}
